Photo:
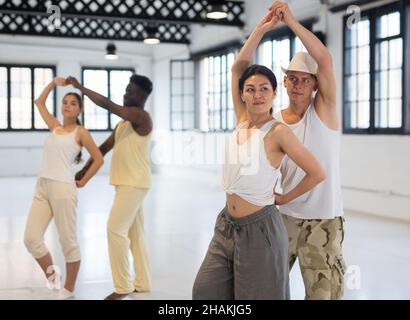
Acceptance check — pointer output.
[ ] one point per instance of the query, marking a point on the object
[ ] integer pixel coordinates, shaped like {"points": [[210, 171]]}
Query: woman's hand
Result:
{"points": [[59, 81], [268, 22], [280, 199], [282, 10], [74, 82]]}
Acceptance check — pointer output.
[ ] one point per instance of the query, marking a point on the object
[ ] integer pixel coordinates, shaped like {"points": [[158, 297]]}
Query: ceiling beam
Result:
{"points": [[161, 11], [89, 28]]}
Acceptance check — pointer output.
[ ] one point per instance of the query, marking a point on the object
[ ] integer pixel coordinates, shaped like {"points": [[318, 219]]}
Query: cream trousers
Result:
{"points": [[125, 232], [58, 200]]}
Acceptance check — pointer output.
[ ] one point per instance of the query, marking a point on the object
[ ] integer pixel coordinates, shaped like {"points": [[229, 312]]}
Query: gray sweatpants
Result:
{"points": [[246, 259]]}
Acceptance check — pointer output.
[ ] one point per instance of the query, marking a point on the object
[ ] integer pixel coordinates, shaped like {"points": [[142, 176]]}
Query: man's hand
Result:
{"points": [[80, 183], [282, 10], [74, 82], [80, 174]]}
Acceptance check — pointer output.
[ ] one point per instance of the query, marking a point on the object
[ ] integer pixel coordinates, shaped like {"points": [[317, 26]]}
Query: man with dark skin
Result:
{"points": [[130, 174]]}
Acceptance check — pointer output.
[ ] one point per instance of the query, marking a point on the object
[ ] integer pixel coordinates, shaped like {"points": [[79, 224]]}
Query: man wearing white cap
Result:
{"points": [[314, 220]]}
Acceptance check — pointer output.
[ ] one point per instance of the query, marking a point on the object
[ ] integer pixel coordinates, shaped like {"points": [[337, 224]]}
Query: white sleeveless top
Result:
{"points": [[60, 152], [247, 171], [325, 200]]}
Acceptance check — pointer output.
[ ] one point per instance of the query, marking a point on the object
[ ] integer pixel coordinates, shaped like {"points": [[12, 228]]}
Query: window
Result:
{"points": [[373, 73], [182, 115], [110, 83], [388, 72], [357, 76], [217, 110], [275, 53], [19, 87]]}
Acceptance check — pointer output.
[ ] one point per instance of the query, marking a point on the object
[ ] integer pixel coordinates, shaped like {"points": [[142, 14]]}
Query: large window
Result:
{"points": [[217, 110], [274, 53], [110, 83], [19, 87], [373, 73], [182, 115]]}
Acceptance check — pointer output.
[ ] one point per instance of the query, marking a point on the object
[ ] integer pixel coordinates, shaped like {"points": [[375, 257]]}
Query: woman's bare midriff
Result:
{"points": [[238, 207]]}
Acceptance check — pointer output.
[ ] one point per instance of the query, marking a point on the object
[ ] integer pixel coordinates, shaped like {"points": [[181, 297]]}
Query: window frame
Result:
{"points": [[372, 15], [182, 95], [231, 47], [222, 127], [108, 69], [32, 67]]}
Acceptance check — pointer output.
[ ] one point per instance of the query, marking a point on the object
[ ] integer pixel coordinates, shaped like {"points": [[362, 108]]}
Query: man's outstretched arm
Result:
{"points": [[325, 103], [135, 115]]}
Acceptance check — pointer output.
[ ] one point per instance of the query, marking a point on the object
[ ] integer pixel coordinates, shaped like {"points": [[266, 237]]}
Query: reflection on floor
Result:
{"points": [[179, 215]]}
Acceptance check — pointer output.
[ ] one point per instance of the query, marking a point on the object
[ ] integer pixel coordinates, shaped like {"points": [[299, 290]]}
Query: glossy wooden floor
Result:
{"points": [[180, 211]]}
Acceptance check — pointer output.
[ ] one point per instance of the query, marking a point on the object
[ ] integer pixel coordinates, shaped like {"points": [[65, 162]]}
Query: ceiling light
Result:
{"points": [[216, 10], [152, 35], [111, 52]]}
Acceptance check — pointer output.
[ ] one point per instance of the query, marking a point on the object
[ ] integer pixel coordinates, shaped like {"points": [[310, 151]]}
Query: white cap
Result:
{"points": [[302, 62]]}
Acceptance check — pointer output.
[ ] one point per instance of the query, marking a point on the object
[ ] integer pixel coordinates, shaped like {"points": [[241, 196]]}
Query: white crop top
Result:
{"points": [[60, 152], [247, 171]]}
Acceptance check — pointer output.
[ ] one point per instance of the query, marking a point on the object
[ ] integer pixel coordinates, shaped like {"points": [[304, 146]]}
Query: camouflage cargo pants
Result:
{"points": [[318, 245]]}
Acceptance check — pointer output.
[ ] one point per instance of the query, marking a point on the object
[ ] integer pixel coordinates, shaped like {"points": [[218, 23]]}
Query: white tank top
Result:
{"points": [[60, 152], [325, 200], [247, 171]]}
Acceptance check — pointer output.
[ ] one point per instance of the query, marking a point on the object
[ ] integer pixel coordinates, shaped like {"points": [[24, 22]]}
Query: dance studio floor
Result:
{"points": [[180, 211]]}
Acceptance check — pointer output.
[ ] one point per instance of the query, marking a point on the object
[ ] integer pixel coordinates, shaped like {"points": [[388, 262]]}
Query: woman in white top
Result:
{"points": [[56, 194], [248, 255]]}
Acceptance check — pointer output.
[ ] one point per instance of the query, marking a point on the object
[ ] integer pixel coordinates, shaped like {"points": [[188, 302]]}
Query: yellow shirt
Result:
{"points": [[130, 163]]}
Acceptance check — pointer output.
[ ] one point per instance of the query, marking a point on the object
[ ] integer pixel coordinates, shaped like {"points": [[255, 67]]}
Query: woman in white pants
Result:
{"points": [[56, 194]]}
